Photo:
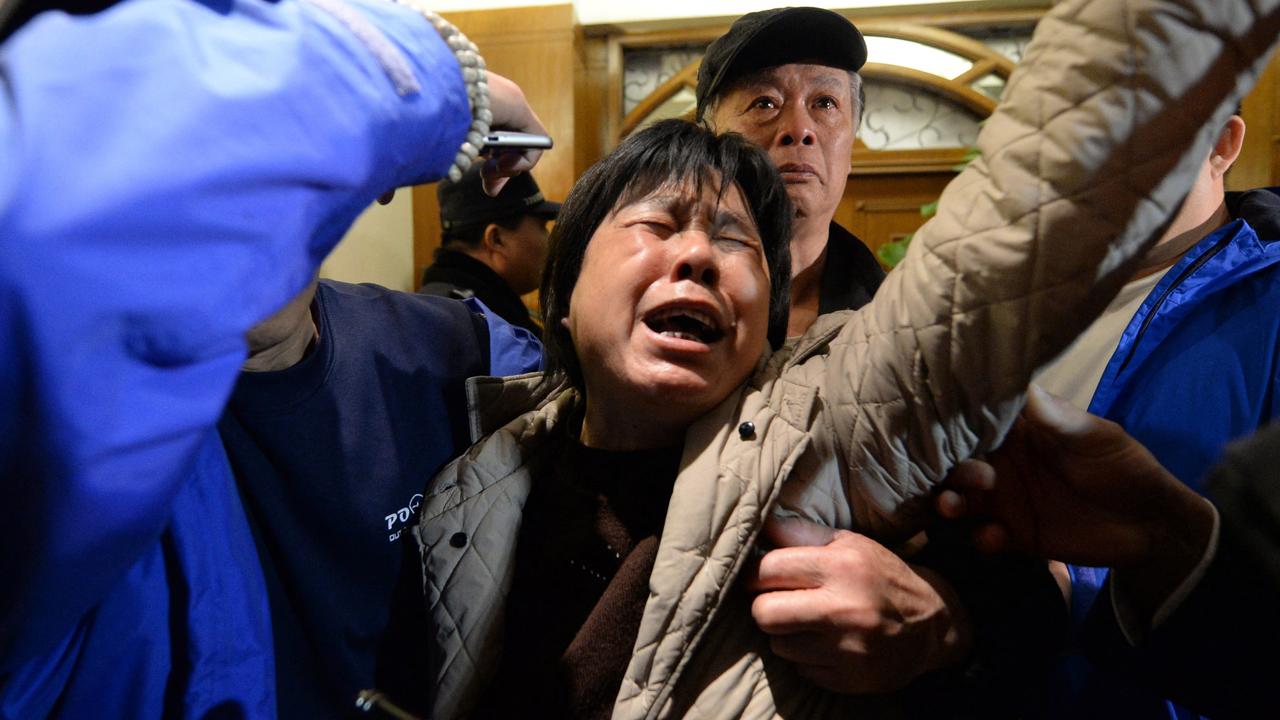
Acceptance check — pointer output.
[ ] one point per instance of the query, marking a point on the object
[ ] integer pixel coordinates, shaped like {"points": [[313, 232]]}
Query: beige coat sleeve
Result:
{"points": [[1097, 140]]}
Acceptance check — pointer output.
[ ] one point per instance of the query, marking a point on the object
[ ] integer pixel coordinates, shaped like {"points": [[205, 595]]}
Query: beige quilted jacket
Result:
{"points": [[1096, 141]]}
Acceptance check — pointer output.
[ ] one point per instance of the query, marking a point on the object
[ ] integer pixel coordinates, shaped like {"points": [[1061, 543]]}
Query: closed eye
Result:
{"points": [[736, 242], [657, 226]]}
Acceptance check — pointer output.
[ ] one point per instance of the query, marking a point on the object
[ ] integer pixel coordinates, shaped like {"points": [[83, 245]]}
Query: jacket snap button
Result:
{"points": [[458, 539], [747, 430]]}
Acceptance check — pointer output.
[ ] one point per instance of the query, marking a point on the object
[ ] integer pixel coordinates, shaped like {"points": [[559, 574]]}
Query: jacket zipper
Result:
{"points": [[1155, 309]]}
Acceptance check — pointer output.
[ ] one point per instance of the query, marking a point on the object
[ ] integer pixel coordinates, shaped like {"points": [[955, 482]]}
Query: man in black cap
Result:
{"points": [[787, 80], [491, 248]]}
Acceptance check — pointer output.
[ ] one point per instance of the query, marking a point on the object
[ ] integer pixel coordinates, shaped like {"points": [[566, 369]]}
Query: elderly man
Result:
{"points": [[787, 80]]}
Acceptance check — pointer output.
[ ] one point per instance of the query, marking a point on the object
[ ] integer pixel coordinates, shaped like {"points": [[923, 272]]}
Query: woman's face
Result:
{"points": [[670, 311]]}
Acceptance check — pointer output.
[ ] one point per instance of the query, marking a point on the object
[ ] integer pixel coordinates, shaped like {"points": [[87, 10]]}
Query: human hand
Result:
{"points": [[510, 112], [1074, 487], [853, 616]]}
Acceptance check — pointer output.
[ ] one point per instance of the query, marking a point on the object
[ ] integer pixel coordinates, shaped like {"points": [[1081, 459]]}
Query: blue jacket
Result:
{"points": [[331, 457], [171, 172], [1199, 363]]}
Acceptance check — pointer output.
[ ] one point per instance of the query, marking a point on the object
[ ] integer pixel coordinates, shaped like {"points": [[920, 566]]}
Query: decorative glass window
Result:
{"points": [[926, 87], [904, 117], [646, 69]]}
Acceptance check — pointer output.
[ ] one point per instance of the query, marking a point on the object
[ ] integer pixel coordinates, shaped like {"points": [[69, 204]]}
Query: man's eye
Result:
{"points": [[763, 103], [826, 102]]}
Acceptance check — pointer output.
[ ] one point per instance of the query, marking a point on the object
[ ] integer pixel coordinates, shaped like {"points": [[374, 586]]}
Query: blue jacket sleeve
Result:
{"points": [[512, 350], [172, 172]]}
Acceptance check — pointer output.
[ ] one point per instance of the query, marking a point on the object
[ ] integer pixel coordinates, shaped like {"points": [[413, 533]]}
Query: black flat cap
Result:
{"points": [[464, 203], [780, 36]]}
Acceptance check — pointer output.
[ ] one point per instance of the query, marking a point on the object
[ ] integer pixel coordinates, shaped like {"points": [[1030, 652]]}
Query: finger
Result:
{"points": [[786, 532], [972, 475], [950, 505], [798, 568], [491, 180], [992, 538], [787, 612], [1052, 413], [509, 163], [501, 167]]}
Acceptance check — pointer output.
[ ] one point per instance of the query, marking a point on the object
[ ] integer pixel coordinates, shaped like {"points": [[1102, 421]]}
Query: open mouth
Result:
{"points": [[684, 324]]}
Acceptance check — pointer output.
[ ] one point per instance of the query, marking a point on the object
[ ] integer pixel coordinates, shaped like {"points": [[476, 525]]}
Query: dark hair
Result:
{"points": [[667, 152], [469, 236]]}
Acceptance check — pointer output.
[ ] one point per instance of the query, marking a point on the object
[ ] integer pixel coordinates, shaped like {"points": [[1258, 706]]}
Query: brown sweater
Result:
{"points": [[587, 546]]}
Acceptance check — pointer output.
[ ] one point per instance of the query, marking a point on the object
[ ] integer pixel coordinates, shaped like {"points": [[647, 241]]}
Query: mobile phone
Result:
{"points": [[500, 140]]}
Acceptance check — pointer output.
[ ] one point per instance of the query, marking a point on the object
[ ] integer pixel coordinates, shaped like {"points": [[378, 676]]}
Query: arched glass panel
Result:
{"points": [[645, 69], [916, 55], [682, 103]]}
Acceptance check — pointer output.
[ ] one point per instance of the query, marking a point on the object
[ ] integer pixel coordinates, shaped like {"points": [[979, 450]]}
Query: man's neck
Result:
{"points": [[808, 243], [1178, 240], [808, 257]]}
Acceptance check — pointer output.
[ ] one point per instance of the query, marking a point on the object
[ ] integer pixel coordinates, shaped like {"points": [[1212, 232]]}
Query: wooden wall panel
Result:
{"points": [[535, 47], [594, 93], [1259, 161], [880, 208]]}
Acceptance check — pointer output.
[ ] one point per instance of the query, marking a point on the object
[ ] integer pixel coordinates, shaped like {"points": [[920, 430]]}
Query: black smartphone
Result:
{"points": [[500, 140]]}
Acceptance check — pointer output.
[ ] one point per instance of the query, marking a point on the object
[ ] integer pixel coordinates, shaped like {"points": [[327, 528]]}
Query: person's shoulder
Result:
{"points": [[850, 251], [373, 295], [444, 289], [1260, 209], [371, 309]]}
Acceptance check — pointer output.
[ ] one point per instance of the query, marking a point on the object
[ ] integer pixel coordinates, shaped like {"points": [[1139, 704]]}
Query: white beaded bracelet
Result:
{"points": [[473, 73]]}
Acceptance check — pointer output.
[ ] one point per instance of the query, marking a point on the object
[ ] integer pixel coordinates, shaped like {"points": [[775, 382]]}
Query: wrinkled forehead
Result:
{"points": [[802, 76]]}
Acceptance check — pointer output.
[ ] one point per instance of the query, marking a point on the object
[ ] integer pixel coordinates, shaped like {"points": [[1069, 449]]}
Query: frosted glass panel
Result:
{"points": [[918, 56], [991, 85], [675, 106]]}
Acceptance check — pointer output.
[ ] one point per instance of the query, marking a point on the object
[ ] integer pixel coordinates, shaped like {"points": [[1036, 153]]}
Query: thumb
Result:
{"points": [[1057, 416], [491, 178], [796, 532]]}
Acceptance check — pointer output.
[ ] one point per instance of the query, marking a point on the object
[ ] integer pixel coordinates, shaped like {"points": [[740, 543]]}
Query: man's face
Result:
{"points": [[670, 310], [803, 116], [526, 254]]}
